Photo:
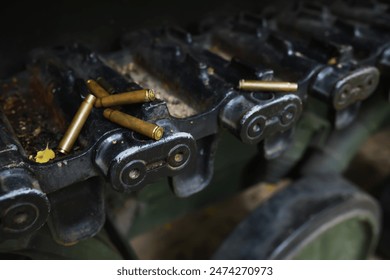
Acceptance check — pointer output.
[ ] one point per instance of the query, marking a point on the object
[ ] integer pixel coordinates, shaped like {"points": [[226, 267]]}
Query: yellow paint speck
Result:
{"points": [[45, 155]]}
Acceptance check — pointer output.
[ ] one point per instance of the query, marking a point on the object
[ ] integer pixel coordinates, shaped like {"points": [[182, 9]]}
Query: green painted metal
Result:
{"points": [[41, 246], [159, 205], [347, 240], [342, 146]]}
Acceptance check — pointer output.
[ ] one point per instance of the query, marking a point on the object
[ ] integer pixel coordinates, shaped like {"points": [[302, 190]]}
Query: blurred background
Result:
{"points": [[25, 25]]}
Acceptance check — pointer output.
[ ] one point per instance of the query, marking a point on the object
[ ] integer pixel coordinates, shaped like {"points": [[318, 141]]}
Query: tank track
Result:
{"points": [[338, 54]]}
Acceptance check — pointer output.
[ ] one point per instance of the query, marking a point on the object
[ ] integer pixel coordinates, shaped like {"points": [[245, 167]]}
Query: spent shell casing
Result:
{"points": [[132, 97], [142, 127], [76, 125], [96, 89], [254, 85]]}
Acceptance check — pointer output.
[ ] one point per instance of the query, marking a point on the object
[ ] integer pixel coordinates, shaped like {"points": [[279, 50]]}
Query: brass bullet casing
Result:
{"points": [[76, 125], [142, 127], [97, 89], [132, 97], [254, 85]]}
